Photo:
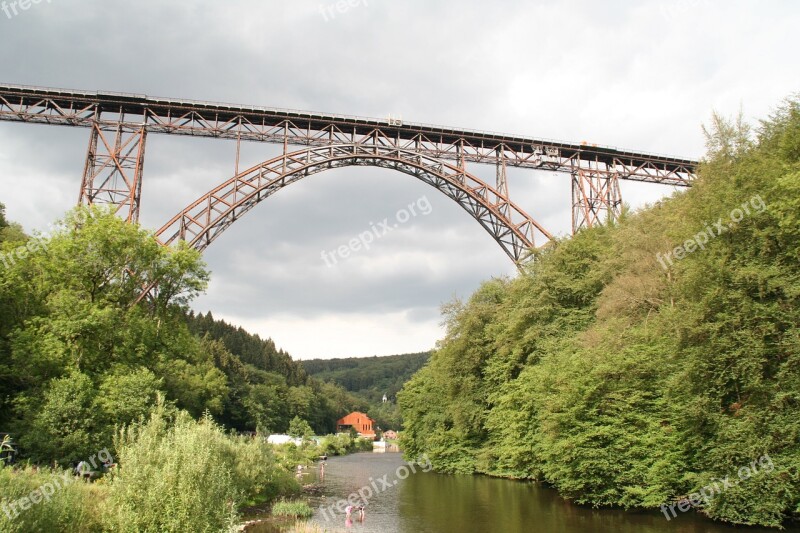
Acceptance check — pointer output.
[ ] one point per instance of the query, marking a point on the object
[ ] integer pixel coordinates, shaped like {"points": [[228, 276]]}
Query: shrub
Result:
{"points": [[186, 475], [257, 473], [342, 444], [174, 477]]}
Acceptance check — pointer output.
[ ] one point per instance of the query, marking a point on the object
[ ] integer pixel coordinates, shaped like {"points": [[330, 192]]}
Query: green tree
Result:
{"points": [[299, 428], [73, 325], [63, 424], [268, 408], [127, 394]]}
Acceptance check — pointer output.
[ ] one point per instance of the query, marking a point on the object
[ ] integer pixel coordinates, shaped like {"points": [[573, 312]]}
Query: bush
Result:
{"points": [[342, 444], [189, 475], [257, 473], [174, 478]]}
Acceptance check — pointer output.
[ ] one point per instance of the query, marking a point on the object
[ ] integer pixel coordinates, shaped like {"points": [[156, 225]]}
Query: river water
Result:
{"points": [[436, 503]]}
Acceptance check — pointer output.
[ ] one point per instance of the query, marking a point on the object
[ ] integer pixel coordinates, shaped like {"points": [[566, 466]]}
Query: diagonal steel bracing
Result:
{"points": [[114, 167], [596, 197]]}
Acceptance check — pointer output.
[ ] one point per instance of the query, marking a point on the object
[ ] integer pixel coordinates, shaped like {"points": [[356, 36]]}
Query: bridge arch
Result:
{"points": [[202, 221]]}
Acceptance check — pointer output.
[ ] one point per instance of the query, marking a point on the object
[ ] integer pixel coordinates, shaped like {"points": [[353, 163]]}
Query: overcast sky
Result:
{"points": [[637, 75]]}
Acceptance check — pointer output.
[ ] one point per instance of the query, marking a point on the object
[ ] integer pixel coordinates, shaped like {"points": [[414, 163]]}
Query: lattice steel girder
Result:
{"points": [[113, 171], [184, 117], [205, 219], [596, 198]]}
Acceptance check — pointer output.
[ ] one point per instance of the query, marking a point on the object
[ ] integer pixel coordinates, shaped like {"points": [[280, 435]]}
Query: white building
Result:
{"points": [[284, 439]]}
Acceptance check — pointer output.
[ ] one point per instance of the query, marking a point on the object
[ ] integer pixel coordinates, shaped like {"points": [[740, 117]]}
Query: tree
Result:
{"points": [[128, 394], [71, 326], [726, 138], [64, 426], [9, 231], [268, 408], [299, 428]]}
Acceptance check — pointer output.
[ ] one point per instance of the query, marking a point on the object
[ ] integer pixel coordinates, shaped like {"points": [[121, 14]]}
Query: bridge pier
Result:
{"points": [[501, 183], [596, 198], [114, 166]]}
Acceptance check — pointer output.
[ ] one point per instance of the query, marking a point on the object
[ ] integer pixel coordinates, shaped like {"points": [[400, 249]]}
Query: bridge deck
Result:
{"points": [[186, 117]]}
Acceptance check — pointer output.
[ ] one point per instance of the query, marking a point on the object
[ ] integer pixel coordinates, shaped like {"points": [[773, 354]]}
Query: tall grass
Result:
{"points": [[74, 507], [292, 509], [176, 475]]}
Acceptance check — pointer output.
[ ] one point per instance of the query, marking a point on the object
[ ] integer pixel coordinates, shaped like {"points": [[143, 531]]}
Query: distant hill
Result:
{"points": [[368, 377], [267, 388]]}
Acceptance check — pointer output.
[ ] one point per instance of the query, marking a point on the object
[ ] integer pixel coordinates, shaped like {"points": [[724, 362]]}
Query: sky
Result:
{"points": [[640, 75]]}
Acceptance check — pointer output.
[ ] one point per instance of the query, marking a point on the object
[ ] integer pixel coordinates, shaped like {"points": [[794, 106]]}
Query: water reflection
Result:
{"points": [[434, 503]]}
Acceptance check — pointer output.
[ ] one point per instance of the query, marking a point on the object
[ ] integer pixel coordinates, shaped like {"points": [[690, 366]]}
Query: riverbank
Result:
{"points": [[174, 474]]}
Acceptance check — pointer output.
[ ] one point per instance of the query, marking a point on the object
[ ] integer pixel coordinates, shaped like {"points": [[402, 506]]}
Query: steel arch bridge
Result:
{"points": [[119, 125], [205, 219]]}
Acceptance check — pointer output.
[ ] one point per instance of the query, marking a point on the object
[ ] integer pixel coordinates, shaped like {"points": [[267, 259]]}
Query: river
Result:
{"points": [[436, 503]]}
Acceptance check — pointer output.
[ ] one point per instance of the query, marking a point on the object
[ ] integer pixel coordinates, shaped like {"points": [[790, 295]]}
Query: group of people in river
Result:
{"points": [[350, 509]]}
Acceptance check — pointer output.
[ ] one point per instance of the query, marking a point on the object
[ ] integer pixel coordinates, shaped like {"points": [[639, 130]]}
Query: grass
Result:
{"points": [[292, 509], [71, 506]]}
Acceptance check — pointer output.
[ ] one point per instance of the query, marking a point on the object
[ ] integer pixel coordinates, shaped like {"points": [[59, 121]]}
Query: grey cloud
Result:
{"points": [[641, 77]]}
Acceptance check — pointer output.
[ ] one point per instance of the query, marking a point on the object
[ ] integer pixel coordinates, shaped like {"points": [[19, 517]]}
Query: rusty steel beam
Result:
{"points": [[300, 128]]}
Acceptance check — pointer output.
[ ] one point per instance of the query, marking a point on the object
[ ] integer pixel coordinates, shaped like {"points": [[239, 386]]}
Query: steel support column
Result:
{"points": [[596, 197], [114, 166], [501, 182]]}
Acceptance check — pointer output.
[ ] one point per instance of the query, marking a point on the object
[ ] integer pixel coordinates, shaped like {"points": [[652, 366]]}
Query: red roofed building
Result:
{"points": [[358, 421]]}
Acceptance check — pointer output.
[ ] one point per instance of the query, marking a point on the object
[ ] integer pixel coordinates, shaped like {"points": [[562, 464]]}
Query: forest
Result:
{"points": [[266, 387], [642, 361], [81, 356], [369, 378]]}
